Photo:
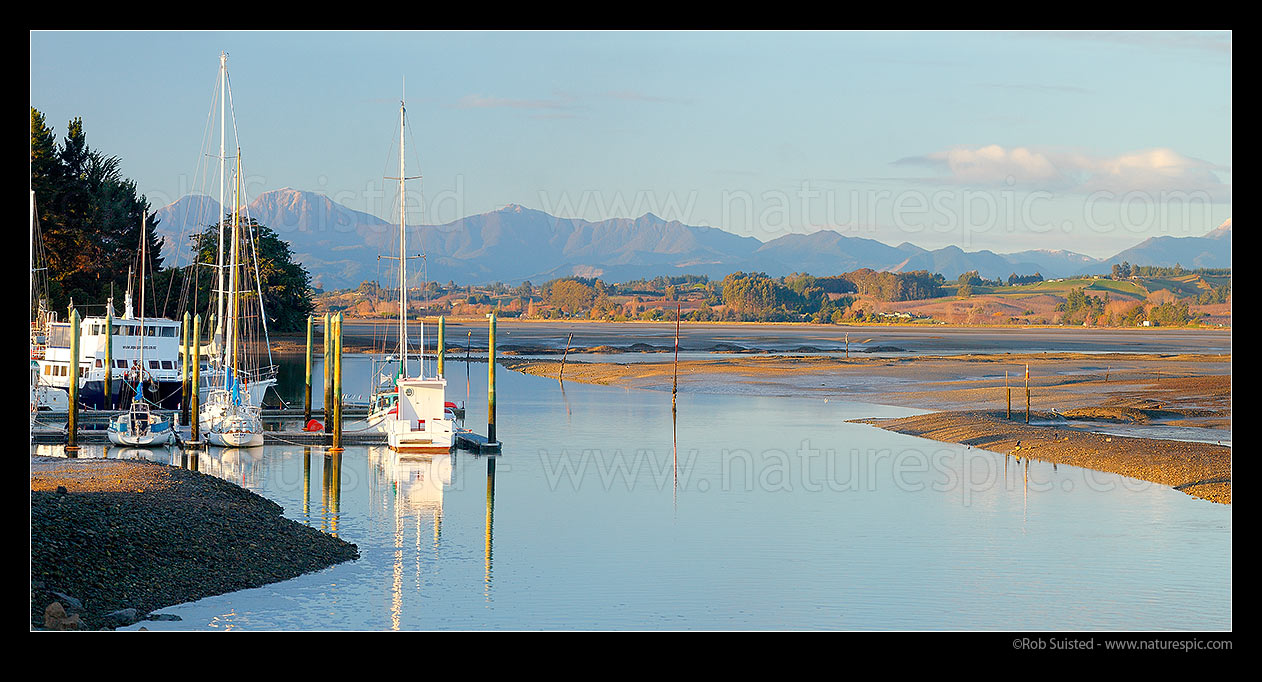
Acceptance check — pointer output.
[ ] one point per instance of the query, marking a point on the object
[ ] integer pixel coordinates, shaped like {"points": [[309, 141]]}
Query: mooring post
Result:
{"points": [[337, 384], [72, 427], [566, 354], [184, 374], [847, 345], [194, 399], [442, 344], [1027, 393], [109, 357], [306, 403], [328, 376], [490, 391]]}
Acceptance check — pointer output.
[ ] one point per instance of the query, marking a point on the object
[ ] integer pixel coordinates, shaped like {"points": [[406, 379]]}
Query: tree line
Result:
{"points": [[89, 218]]}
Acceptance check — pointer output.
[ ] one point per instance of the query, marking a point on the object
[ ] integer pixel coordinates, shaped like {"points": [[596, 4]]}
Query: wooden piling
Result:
{"points": [[184, 373], [337, 384], [490, 389], [194, 399], [306, 403], [328, 378], [72, 427], [561, 376], [108, 386], [1008, 388], [847, 345], [442, 344]]}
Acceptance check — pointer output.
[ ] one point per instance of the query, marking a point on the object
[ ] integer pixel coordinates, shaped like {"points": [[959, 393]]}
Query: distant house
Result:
{"points": [[1146, 323]]}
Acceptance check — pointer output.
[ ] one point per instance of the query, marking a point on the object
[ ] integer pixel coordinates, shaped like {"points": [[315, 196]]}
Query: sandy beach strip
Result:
{"points": [[1199, 469], [139, 535]]}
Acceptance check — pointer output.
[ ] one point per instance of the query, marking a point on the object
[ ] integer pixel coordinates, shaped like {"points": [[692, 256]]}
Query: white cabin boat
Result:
{"points": [[412, 411]]}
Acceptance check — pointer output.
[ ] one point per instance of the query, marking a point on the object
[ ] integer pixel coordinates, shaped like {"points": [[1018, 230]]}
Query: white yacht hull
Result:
{"points": [[436, 437], [235, 439], [147, 440]]}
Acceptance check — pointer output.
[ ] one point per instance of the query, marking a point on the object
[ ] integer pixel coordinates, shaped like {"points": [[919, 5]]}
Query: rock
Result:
{"points": [[121, 617], [72, 605], [61, 490], [162, 616], [53, 614], [55, 618]]}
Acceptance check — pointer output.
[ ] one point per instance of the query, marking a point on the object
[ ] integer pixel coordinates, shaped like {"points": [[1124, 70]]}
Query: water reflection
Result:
{"points": [[857, 529], [488, 550], [413, 489]]}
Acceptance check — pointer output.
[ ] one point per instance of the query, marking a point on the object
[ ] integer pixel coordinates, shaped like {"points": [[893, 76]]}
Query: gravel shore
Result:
{"points": [[117, 535]]}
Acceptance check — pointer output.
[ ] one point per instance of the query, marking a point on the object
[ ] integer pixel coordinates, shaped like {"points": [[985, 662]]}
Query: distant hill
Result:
{"points": [[340, 246], [1213, 250], [823, 252]]}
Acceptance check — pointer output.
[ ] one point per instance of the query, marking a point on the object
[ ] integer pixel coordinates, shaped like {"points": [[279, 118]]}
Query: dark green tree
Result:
{"points": [[285, 284], [90, 219]]}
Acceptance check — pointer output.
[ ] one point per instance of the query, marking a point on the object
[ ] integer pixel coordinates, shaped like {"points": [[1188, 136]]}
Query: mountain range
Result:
{"points": [[340, 246]]}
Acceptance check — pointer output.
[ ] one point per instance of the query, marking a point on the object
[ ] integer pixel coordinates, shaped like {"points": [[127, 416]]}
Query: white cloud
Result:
{"points": [[1151, 170]]}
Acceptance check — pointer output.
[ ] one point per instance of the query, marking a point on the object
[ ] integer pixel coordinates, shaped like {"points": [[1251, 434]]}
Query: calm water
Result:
{"points": [[750, 513]]}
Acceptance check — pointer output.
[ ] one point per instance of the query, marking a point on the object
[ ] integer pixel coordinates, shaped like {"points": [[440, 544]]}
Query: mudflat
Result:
{"points": [[972, 394]]}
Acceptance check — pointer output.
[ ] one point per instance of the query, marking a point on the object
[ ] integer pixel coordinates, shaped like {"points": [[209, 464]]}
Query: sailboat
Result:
{"points": [[256, 383], [141, 427], [411, 410], [229, 418]]}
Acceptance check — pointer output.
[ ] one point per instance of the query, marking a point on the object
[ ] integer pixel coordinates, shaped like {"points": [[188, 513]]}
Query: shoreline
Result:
{"points": [[114, 540], [1202, 470], [966, 392]]}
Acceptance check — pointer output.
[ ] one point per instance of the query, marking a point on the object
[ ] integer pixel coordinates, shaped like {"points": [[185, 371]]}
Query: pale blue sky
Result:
{"points": [[1006, 141]]}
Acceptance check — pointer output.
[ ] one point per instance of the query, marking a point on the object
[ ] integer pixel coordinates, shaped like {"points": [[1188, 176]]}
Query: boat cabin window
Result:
{"points": [[118, 330], [153, 364], [121, 364], [168, 332], [100, 363], [168, 364], [60, 336], [48, 370]]}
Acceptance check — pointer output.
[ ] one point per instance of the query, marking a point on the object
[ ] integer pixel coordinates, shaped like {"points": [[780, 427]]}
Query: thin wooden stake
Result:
{"points": [[1027, 393], [674, 388], [1009, 390], [561, 376]]}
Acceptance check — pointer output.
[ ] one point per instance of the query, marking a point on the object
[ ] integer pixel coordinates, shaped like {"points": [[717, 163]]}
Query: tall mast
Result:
{"points": [[140, 378], [403, 255], [233, 311], [223, 85]]}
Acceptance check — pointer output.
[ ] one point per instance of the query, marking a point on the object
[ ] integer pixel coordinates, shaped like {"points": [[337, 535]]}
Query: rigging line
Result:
{"points": [[198, 169]]}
